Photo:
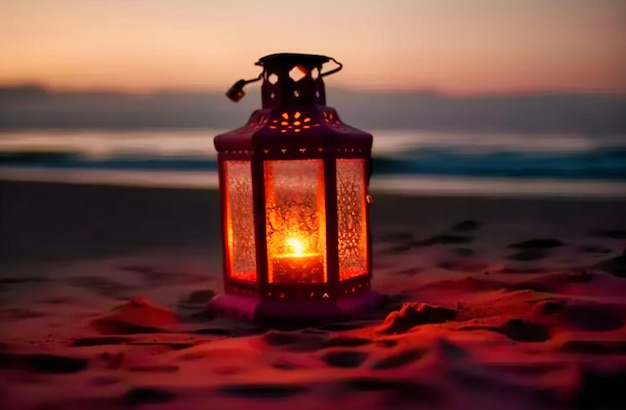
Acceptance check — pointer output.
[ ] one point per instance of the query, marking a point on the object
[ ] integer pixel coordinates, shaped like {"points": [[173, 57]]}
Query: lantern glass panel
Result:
{"points": [[351, 218], [295, 221], [240, 221]]}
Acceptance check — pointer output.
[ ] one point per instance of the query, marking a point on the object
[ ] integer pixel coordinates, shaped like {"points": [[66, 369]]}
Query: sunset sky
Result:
{"points": [[455, 46]]}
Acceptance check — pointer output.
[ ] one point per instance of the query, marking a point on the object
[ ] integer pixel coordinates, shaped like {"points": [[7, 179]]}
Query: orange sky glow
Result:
{"points": [[454, 46]]}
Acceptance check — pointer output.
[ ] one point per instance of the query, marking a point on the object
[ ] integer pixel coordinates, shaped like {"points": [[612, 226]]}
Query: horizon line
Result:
{"points": [[38, 85]]}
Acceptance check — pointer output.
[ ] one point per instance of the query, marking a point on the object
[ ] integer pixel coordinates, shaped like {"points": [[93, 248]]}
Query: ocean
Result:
{"points": [[405, 161]]}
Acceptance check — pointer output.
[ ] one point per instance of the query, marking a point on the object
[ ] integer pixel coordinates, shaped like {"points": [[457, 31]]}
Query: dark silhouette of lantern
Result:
{"points": [[294, 185]]}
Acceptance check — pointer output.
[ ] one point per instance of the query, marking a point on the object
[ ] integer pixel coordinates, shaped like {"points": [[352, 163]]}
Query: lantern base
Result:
{"points": [[296, 313]]}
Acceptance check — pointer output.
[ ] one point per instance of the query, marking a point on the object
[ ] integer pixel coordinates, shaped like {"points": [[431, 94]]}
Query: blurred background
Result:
{"points": [[472, 96]]}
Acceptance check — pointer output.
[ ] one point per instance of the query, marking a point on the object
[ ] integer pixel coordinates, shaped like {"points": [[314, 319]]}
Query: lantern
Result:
{"points": [[294, 191]]}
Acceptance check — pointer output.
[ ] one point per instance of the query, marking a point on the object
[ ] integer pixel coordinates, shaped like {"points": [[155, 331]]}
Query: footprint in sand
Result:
{"points": [[147, 395], [466, 226], [346, 341], [598, 250], [397, 392], [361, 384], [533, 249], [529, 255], [516, 329], [615, 266], [344, 358], [399, 359], [464, 252], [262, 390], [278, 338], [387, 342], [522, 331], [593, 317], [294, 341], [609, 233], [537, 244]]}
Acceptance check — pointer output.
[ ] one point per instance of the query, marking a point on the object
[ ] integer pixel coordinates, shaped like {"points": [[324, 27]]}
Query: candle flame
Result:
{"points": [[296, 245]]}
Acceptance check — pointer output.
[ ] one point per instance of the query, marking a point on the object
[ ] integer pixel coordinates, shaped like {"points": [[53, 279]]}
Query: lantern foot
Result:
{"points": [[295, 312]]}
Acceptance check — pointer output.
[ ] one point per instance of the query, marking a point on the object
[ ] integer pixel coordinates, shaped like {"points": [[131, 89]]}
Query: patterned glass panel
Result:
{"points": [[240, 221], [351, 218], [296, 221]]}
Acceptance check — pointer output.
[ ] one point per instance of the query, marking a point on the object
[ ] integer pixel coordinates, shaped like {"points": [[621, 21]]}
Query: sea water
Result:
{"points": [[404, 161]]}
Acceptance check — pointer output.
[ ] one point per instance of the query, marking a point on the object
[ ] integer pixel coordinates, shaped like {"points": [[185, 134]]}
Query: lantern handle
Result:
{"points": [[236, 93], [334, 70]]}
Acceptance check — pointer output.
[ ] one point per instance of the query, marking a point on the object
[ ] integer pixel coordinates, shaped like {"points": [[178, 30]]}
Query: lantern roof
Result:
{"points": [[315, 60], [302, 126]]}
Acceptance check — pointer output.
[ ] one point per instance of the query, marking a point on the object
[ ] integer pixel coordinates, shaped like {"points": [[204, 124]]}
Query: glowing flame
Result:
{"points": [[296, 245]]}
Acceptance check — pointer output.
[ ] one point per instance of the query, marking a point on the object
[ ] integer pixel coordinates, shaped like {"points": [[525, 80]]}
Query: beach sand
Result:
{"points": [[492, 303]]}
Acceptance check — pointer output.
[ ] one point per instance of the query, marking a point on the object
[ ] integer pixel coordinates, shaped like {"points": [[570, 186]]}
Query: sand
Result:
{"points": [[492, 303]]}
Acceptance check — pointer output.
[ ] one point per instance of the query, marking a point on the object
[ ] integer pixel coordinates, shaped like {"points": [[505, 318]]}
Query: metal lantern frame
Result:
{"points": [[294, 132]]}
